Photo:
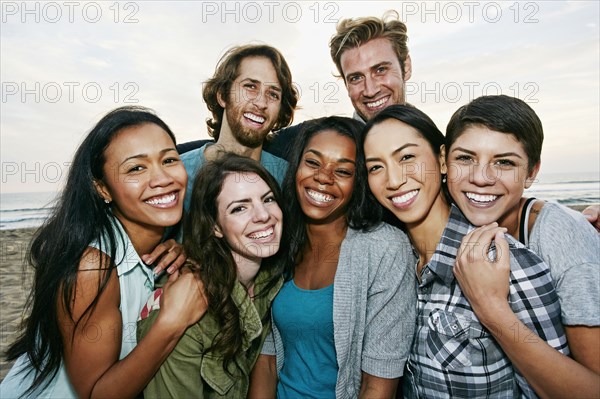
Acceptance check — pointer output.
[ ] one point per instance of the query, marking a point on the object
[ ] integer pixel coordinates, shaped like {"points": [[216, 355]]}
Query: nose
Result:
{"points": [[324, 175], [396, 177], [260, 101], [160, 177], [482, 175], [261, 213], [371, 87]]}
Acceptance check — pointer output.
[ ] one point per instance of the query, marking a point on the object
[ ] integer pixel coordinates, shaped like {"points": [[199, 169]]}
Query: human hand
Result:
{"points": [[592, 214], [184, 299], [171, 255], [484, 282]]}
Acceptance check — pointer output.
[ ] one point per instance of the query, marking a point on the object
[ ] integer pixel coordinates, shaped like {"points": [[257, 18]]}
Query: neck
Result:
{"points": [[247, 270], [511, 218], [324, 236], [143, 239], [426, 233]]}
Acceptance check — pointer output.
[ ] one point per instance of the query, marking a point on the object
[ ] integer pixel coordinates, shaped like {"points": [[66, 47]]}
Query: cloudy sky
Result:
{"points": [[65, 64]]}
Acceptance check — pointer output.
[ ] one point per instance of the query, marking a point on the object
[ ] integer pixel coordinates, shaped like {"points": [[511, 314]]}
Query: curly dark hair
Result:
{"points": [[212, 258], [363, 212]]}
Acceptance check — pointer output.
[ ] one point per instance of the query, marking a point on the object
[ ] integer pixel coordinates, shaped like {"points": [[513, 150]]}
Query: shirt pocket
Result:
{"points": [[448, 339], [215, 376]]}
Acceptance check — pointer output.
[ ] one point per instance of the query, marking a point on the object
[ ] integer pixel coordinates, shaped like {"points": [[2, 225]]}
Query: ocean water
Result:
{"points": [[21, 210]]}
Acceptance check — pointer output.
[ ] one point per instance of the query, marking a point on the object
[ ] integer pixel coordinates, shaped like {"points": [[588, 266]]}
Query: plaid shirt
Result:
{"points": [[453, 355]]}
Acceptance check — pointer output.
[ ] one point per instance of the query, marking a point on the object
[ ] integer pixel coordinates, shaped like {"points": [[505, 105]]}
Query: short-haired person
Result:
{"points": [[250, 95], [494, 146]]}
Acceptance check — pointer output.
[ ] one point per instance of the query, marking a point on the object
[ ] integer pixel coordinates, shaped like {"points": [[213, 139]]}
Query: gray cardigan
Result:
{"points": [[374, 308]]}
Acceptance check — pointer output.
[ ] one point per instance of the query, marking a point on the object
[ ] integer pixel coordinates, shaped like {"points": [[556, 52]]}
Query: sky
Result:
{"points": [[63, 65]]}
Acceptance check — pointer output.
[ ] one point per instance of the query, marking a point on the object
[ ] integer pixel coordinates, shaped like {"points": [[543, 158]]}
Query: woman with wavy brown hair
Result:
{"points": [[234, 223]]}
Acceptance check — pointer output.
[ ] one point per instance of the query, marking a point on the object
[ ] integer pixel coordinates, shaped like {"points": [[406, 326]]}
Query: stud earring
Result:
{"points": [[444, 178]]}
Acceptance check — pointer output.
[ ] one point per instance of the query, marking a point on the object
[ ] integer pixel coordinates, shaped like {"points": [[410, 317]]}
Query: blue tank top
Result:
{"points": [[305, 320]]}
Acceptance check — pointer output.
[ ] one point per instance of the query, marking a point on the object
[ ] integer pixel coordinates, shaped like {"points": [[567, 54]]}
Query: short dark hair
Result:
{"points": [[228, 70], [502, 114]]}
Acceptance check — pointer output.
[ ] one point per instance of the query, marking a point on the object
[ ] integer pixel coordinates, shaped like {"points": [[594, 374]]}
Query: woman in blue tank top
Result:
{"points": [[344, 319], [126, 185]]}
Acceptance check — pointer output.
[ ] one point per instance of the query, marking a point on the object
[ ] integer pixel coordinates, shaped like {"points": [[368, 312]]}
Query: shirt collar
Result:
{"points": [[443, 259], [358, 118], [127, 258]]}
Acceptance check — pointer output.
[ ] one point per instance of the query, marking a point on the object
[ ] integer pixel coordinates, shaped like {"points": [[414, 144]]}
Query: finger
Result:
{"points": [[502, 250], [177, 263], [161, 248], [166, 260], [172, 278]]}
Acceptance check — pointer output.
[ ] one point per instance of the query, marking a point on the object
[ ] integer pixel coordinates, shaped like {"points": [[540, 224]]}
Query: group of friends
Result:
{"points": [[330, 259]]}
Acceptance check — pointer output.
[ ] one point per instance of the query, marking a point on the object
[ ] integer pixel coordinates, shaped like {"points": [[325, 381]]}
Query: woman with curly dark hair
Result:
{"points": [[343, 321], [234, 224]]}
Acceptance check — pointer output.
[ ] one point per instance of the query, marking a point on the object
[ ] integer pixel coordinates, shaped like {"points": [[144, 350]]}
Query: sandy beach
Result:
{"points": [[15, 285]]}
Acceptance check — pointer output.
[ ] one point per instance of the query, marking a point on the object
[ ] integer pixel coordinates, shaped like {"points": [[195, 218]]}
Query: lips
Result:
{"points": [[163, 201], [319, 196], [262, 234], [481, 198], [254, 118], [378, 103]]}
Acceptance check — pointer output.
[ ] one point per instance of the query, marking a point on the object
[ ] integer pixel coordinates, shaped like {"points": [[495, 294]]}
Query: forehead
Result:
{"points": [[332, 143], [481, 138], [241, 185], [391, 134], [258, 68], [367, 55], [142, 139]]}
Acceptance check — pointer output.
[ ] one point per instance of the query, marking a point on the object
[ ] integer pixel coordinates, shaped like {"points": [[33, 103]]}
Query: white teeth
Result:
{"points": [[161, 200], [319, 196], [404, 198], [377, 103], [262, 234], [255, 118], [481, 198]]}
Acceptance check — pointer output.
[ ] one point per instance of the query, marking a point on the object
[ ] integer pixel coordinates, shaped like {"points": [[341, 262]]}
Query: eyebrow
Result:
{"points": [[342, 160], [247, 200], [137, 156], [396, 151], [357, 73], [502, 155], [273, 86]]}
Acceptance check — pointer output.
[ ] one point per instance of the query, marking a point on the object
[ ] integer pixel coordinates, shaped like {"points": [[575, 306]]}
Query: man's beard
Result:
{"points": [[250, 138]]}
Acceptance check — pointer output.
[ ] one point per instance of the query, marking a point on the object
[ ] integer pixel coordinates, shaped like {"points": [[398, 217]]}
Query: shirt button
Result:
{"points": [[454, 326], [427, 271]]}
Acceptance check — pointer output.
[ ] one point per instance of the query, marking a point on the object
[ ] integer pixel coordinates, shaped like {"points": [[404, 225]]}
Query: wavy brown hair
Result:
{"points": [[353, 32], [228, 70], [212, 258]]}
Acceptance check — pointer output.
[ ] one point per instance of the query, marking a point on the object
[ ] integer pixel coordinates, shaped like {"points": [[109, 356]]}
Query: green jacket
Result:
{"points": [[190, 373]]}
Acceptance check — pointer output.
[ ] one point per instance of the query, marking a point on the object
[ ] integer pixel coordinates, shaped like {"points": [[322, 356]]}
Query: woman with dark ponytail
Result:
{"points": [[125, 186]]}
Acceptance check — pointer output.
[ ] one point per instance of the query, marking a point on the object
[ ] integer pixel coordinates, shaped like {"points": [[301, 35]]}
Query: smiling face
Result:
{"points": [[325, 176], [374, 77], [253, 104], [403, 171], [487, 173], [248, 217], [143, 178]]}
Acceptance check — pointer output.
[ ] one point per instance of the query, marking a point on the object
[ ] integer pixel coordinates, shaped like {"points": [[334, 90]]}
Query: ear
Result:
{"points": [[532, 175], [443, 167], [407, 68], [221, 101], [218, 232], [102, 190]]}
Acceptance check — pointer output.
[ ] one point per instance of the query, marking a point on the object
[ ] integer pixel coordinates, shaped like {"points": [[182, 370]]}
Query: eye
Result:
{"points": [[374, 168], [274, 95], [269, 199], [250, 86], [135, 168], [344, 172], [354, 78], [171, 160], [406, 157], [311, 163], [238, 209], [464, 158], [505, 163], [381, 69]]}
